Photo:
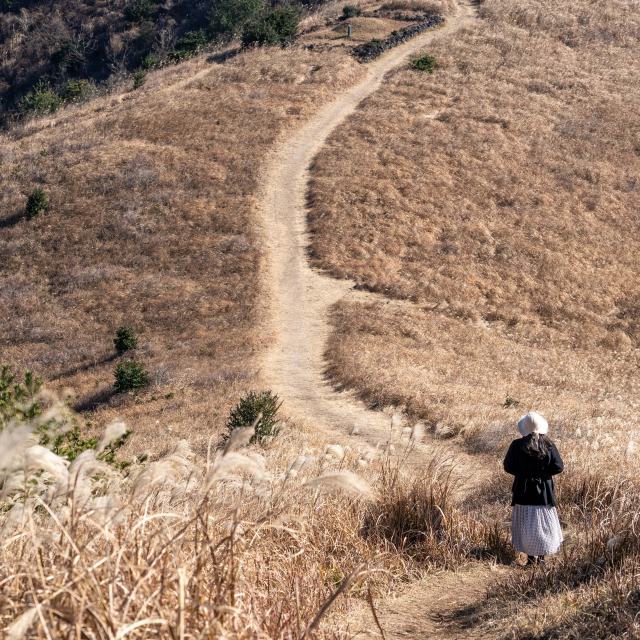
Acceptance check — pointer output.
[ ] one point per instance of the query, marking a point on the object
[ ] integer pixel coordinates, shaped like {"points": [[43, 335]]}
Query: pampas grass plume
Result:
{"points": [[38, 458], [239, 437], [20, 626], [343, 480], [113, 431], [335, 451]]}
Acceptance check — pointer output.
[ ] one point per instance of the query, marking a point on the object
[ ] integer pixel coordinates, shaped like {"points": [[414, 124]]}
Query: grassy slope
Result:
{"points": [[499, 194], [151, 223]]}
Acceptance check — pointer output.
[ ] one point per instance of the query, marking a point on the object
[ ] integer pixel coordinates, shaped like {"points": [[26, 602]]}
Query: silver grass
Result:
{"points": [[370, 455], [14, 518], [230, 463], [38, 458], [308, 463], [12, 485], [240, 437], [632, 447], [343, 480], [10, 441], [417, 433], [334, 451], [296, 465], [20, 626], [113, 431]]}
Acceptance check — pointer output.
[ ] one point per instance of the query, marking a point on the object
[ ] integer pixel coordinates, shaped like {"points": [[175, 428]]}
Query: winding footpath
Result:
{"points": [[299, 297]]}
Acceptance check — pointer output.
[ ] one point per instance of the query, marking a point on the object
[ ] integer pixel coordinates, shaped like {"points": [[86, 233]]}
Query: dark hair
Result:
{"points": [[538, 445]]}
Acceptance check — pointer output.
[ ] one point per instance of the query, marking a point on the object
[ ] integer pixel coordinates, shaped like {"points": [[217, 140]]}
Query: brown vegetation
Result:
{"points": [[499, 194], [151, 223], [249, 543]]}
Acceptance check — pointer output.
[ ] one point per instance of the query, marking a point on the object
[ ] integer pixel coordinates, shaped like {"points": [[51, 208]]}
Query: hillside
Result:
{"points": [[499, 196]]}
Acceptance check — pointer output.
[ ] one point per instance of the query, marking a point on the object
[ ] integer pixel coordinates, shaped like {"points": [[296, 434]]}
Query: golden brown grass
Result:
{"points": [[499, 195], [151, 223], [247, 542]]}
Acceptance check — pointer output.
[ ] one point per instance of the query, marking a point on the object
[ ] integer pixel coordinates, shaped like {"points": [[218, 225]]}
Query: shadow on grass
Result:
{"points": [[85, 367], [95, 400], [11, 221]]}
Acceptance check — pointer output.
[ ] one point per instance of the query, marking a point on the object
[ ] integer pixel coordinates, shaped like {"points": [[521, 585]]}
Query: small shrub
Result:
{"points": [[259, 33], [284, 21], [425, 63], [247, 410], [191, 44], [140, 11], [71, 56], [376, 43], [510, 402], [350, 12], [16, 400], [130, 376], [150, 61], [74, 90], [36, 203], [40, 101], [139, 78], [125, 339], [275, 27], [229, 16]]}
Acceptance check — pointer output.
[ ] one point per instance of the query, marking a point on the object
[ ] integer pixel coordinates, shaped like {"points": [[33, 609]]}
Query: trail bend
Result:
{"points": [[299, 298]]}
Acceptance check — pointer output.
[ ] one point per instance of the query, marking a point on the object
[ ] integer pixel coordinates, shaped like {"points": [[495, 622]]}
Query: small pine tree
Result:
{"points": [[36, 203], [130, 376], [247, 410], [125, 339], [350, 12], [426, 63], [17, 400]]}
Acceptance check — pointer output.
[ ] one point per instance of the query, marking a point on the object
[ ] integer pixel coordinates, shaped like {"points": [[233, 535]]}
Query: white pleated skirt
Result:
{"points": [[536, 530]]}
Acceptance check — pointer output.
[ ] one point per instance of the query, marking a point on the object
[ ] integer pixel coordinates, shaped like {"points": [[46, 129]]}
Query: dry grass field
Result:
{"points": [[494, 205], [151, 223], [498, 194]]}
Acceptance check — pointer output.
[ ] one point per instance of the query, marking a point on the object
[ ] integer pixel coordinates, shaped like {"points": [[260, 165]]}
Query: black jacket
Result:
{"points": [[533, 484]]}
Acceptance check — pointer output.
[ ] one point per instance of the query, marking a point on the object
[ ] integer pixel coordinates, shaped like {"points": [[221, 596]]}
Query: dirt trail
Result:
{"points": [[299, 301], [299, 296]]}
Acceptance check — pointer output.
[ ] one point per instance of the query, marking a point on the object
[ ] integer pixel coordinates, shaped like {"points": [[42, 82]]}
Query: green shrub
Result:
{"points": [[258, 33], [284, 21], [376, 43], [74, 90], [130, 376], [40, 101], [191, 44], [425, 63], [246, 411], [16, 400], [139, 78], [140, 10], [350, 12], [229, 16], [36, 203], [71, 56], [275, 27], [150, 61], [510, 402], [125, 339]]}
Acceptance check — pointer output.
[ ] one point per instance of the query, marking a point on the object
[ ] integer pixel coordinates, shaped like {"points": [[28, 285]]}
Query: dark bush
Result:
{"points": [[125, 339], [258, 33], [189, 45], [41, 101], [130, 376], [139, 78], [71, 56], [229, 16], [36, 203], [425, 63], [150, 61], [350, 12], [275, 27], [284, 21], [74, 90], [247, 410], [140, 10]]}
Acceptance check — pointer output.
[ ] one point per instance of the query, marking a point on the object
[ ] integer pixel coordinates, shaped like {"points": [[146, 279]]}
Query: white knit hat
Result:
{"points": [[532, 423]]}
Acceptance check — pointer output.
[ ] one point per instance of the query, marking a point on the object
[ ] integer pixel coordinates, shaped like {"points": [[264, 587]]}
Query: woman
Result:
{"points": [[533, 460]]}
